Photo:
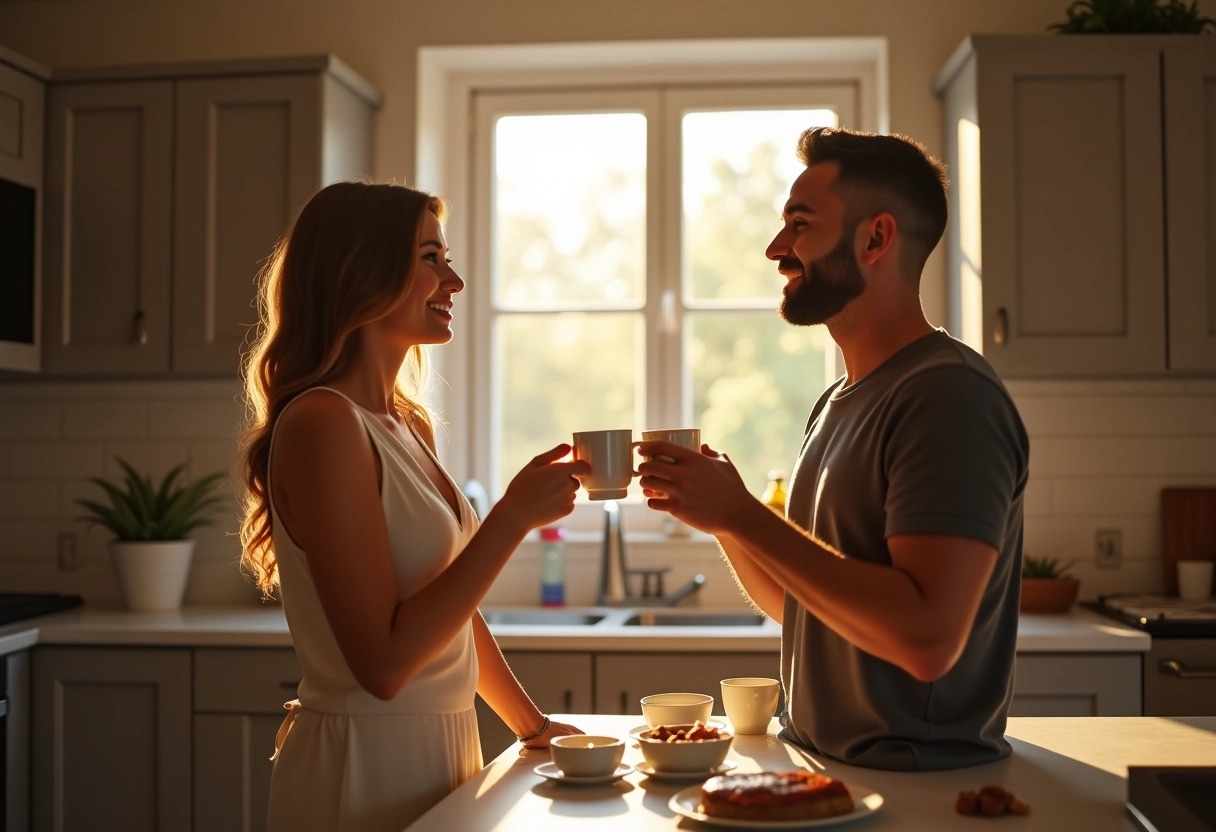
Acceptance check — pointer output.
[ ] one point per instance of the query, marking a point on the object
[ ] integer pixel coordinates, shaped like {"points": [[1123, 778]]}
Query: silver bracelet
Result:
{"points": [[544, 726]]}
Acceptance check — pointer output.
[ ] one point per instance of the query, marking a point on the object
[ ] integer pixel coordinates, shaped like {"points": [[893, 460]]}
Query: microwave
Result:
{"points": [[19, 301]]}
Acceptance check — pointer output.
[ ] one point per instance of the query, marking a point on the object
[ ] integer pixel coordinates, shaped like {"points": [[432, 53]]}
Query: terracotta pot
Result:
{"points": [[1048, 594]]}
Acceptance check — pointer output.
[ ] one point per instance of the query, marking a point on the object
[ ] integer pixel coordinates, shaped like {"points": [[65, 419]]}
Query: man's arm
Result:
{"points": [[761, 589]]}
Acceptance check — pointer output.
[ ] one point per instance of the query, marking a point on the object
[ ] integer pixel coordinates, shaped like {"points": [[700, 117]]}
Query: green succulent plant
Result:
{"points": [[1044, 567], [140, 510], [1089, 17]]}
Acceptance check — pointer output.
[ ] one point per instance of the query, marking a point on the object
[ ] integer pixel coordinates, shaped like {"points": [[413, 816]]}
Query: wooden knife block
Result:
{"points": [[1188, 529]]}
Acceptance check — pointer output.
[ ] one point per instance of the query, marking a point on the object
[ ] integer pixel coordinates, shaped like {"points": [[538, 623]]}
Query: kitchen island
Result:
{"points": [[1072, 772]]}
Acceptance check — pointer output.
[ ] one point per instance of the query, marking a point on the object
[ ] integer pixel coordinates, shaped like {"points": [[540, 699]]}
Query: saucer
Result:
{"points": [[551, 772], [674, 776]]}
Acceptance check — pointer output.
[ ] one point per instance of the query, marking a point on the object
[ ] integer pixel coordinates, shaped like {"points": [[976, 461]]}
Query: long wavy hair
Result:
{"points": [[346, 261]]}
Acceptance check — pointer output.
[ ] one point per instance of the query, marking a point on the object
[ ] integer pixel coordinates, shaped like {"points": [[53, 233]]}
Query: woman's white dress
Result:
{"points": [[351, 762]]}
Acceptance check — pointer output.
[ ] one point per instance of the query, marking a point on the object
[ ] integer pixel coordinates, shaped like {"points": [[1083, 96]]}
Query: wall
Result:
{"points": [[1101, 451], [1100, 454]]}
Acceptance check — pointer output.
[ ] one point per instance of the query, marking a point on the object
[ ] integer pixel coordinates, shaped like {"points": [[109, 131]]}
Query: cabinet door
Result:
{"points": [[109, 180], [622, 679], [1072, 242], [248, 157], [111, 739], [559, 683], [21, 117], [238, 708], [1190, 171], [1076, 685]]}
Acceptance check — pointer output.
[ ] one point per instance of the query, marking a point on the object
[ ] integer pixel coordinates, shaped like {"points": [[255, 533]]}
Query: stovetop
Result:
{"points": [[1159, 615], [16, 606]]}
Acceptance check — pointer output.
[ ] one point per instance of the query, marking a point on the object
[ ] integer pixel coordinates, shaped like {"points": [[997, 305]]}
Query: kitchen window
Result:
{"points": [[614, 254]]}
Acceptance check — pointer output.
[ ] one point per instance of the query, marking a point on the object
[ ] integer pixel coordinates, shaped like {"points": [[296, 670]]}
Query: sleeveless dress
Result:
{"points": [[346, 761]]}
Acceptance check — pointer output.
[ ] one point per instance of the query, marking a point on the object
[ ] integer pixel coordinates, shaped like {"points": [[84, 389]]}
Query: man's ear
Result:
{"points": [[877, 238]]}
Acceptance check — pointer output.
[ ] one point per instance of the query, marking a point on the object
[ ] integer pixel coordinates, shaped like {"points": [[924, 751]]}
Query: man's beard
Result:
{"points": [[826, 286]]}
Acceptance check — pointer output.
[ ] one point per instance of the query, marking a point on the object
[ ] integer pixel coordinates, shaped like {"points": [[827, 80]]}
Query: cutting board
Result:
{"points": [[1188, 529]]}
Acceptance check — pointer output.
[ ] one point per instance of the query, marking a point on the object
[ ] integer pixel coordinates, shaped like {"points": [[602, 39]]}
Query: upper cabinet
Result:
{"points": [[1082, 239], [167, 189], [22, 93]]}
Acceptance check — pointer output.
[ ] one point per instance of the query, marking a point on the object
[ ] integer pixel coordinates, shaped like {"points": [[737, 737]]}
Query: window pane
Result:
{"points": [[565, 372], [737, 169], [569, 209], [754, 379]]}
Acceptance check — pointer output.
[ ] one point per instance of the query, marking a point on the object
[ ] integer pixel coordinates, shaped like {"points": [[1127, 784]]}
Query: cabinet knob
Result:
{"points": [[1000, 327], [567, 702], [141, 328]]}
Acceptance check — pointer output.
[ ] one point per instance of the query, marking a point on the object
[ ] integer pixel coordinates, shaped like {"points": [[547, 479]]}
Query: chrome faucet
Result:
{"points": [[615, 575]]}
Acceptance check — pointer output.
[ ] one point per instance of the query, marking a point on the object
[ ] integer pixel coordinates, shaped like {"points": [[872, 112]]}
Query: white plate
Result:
{"points": [[552, 772], [656, 774], [686, 802]]}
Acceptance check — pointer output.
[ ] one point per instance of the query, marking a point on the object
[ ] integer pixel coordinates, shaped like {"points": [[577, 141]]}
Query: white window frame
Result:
{"points": [[449, 79]]}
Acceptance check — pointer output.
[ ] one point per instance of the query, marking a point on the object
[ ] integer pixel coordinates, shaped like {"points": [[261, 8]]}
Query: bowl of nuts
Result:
{"points": [[695, 746]]}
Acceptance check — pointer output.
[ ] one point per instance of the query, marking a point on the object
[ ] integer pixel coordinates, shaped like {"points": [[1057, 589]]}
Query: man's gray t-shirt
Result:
{"points": [[927, 443]]}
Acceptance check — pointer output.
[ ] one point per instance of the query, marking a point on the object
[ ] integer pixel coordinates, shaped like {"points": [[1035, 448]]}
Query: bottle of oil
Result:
{"points": [[774, 492]]}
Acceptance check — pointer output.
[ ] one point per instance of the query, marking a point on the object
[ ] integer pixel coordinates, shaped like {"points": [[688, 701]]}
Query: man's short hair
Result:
{"points": [[885, 173]]}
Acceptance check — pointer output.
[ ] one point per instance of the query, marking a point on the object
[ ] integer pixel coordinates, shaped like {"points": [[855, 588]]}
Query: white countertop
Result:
{"points": [[1071, 770], [1079, 631]]}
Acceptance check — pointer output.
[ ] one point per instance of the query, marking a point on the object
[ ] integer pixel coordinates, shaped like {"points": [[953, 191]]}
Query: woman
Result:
{"points": [[380, 560]]}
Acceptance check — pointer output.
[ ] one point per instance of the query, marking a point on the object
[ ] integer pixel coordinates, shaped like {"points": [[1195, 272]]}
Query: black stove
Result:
{"points": [[1159, 615], [18, 606]]}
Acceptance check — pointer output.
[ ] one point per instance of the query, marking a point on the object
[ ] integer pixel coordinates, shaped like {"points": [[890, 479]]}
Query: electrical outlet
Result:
{"points": [[68, 561], [1108, 548]]}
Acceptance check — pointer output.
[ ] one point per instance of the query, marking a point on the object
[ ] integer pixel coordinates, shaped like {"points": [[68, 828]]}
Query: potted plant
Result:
{"points": [[1045, 587], [1091, 17], [151, 523]]}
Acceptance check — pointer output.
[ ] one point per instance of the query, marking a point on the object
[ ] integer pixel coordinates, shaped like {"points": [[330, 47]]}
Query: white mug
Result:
{"points": [[684, 437], [610, 453], [750, 702], [1195, 579]]}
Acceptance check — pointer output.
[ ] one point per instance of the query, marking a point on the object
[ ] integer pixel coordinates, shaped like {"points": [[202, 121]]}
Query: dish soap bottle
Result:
{"points": [[552, 566], [774, 492]]}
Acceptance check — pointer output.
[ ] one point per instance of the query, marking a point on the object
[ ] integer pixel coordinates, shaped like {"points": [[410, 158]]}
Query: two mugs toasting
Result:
{"points": [[610, 455]]}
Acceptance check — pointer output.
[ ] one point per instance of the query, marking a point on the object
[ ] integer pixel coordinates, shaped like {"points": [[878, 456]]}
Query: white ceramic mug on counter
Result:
{"points": [[1195, 579], [750, 702]]}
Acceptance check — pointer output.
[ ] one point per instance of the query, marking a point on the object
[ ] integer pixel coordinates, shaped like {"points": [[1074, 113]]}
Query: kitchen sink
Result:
{"points": [[542, 618], [674, 619]]}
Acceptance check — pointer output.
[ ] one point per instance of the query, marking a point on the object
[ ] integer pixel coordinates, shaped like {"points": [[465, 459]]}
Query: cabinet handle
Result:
{"points": [[1173, 667], [1000, 329], [567, 702], [624, 699], [141, 328]]}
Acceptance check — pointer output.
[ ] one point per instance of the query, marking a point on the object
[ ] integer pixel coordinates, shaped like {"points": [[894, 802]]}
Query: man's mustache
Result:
{"points": [[789, 264]]}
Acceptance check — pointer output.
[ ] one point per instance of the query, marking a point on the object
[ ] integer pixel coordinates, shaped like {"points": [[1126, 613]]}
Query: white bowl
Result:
{"points": [[676, 708], [700, 755], [582, 755]]}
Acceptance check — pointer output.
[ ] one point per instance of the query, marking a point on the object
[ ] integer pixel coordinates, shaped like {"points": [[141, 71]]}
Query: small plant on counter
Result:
{"points": [[140, 510], [1095, 17], [1044, 567]]}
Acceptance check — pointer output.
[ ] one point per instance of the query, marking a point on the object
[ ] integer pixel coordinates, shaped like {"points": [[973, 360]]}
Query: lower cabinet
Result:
{"points": [[1077, 684], [238, 708], [111, 739]]}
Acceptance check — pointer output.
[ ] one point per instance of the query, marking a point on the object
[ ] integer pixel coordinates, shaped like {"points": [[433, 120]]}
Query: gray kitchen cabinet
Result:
{"points": [[622, 679], [1071, 684], [557, 683], [15, 737], [1061, 153], [22, 98], [111, 739], [238, 708], [168, 187]]}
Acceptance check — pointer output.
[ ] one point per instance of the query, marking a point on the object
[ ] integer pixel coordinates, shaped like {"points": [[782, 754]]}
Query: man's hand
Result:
{"points": [[701, 489]]}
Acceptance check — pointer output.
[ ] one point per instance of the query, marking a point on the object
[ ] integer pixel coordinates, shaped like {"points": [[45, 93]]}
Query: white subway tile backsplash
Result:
{"points": [[1085, 456], [152, 457], [105, 420], [1141, 387], [55, 461], [29, 420], [29, 499], [30, 539], [1118, 416], [1188, 455], [188, 419], [1109, 496], [1203, 415]]}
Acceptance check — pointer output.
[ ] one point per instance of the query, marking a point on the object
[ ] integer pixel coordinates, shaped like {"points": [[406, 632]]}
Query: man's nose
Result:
{"points": [[777, 248]]}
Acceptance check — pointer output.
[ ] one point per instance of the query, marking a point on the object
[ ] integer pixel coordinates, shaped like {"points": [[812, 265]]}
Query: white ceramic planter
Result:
{"points": [[152, 574]]}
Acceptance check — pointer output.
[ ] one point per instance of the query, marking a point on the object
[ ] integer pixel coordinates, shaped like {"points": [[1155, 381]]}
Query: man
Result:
{"points": [[896, 572]]}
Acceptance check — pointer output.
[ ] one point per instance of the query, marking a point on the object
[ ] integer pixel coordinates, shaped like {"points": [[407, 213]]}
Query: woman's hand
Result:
{"points": [[555, 729], [543, 491]]}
